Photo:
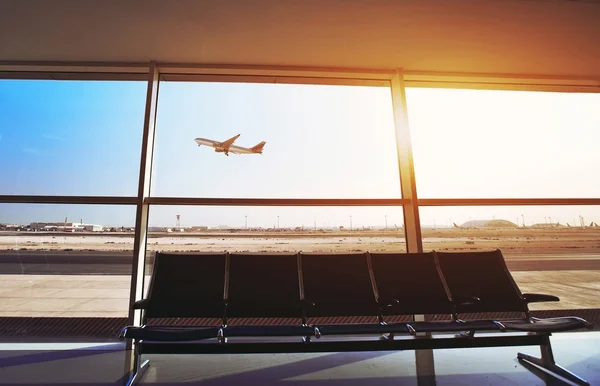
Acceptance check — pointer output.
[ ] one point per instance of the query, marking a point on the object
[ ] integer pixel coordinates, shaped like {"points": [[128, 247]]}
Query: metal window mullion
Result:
{"points": [[87, 200], [432, 79], [424, 361], [507, 201], [142, 212], [223, 201], [169, 69], [412, 224]]}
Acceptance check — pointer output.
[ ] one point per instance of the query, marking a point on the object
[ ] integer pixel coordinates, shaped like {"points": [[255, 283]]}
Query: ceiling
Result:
{"points": [[527, 37]]}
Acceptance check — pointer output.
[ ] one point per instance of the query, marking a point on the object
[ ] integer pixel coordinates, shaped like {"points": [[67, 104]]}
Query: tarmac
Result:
{"points": [[72, 275], [97, 284]]}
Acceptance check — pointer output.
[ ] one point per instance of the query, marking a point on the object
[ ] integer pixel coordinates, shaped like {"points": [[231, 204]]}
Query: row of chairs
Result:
{"points": [[323, 285], [308, 286]]}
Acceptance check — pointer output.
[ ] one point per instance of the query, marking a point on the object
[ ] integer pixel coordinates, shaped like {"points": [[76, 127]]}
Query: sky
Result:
{"points": [[84, 138]]}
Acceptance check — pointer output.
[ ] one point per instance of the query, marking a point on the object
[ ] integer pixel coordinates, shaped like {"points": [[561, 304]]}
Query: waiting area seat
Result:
{"points": [[179, 283], [316, 291], [485, 276]]}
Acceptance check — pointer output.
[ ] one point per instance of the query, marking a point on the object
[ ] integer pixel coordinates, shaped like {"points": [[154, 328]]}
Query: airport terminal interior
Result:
{"points": [[142, 131]]}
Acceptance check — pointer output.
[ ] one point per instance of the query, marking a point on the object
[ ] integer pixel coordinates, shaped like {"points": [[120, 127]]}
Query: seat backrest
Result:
{"points": [[483, 275], [263, 285], [414, 280], [187, 285], [338, 284]]}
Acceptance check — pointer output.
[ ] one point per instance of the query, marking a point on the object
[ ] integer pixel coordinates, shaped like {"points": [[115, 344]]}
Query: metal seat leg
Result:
{"points": [[139, 367], [547, 363]]}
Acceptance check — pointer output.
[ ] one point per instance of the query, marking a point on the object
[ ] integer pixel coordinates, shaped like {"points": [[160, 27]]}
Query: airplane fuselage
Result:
{"points": [[228, 147]]}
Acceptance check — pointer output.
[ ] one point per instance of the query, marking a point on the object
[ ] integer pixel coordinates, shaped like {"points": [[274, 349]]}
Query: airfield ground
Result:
{"points": [[36, 280]]}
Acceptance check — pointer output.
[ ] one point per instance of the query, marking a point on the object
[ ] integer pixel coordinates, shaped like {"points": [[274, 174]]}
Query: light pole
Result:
{"points": [[386, 221], [350, 222], [277, 222], [246, 221]]}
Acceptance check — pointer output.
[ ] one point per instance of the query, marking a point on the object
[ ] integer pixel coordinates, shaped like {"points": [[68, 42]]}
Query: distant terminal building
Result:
{"points": [[198, 228], [489, 224], [90, 227], [164, 229], [65, 227], [11, 227]]}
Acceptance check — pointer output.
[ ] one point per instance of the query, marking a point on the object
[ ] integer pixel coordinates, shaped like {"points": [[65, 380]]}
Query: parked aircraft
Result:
{"points": [[463, 226], [228, 146]]}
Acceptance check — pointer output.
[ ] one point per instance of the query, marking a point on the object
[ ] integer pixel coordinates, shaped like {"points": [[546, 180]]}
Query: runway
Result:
{"points": [[119, 263]]}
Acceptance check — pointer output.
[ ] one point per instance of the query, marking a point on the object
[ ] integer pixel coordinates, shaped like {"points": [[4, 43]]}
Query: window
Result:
{"points": [[548, 249], [321, 141], [65, 260], [70, 137], [273, 229], [492, 144]]}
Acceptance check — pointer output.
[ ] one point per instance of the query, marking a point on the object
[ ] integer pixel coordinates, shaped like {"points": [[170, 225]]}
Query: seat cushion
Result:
{"points": [[547, 325], [231, 331], [169, 334], [373, 328], [471, 325]]}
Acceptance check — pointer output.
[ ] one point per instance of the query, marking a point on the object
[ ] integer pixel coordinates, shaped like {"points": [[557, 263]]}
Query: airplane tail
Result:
{"points": [[258, 148]]}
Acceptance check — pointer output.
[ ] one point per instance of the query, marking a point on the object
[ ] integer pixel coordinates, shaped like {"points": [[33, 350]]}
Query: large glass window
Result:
{"points": [[489, 144], [321, 141], [548, 249], [274, 229], [65, 260], [70, 137]]}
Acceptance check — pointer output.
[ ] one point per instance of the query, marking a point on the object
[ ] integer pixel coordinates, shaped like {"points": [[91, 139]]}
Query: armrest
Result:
{"points": [[383, 303], [307, 304], [534, 298], [466, 300], [140, 304]]}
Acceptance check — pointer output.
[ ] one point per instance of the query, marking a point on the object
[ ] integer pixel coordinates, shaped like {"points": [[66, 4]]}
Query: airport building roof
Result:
{"points": [[536, 37], [489, 224]]}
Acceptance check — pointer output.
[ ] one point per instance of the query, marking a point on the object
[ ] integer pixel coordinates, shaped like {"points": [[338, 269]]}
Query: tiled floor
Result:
{"points": [[103, 364]]}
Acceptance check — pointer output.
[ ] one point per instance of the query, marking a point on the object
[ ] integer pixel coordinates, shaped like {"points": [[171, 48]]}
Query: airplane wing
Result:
{"points": [[230, 141]]}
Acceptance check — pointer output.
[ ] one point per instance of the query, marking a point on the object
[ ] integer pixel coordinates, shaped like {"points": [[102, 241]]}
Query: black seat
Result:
{"points": [[337, 285], [264, 286], [182, 286], [485, 276], [409, 284]]}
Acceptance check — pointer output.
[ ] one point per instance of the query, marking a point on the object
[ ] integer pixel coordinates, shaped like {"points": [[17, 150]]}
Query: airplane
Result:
{"points": [[228, 147]]}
